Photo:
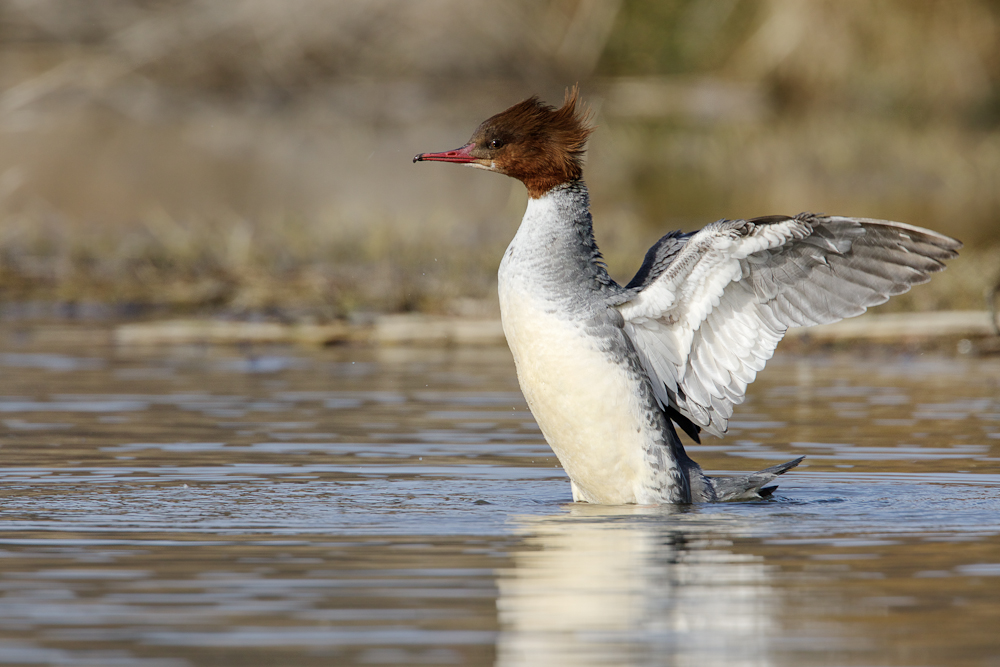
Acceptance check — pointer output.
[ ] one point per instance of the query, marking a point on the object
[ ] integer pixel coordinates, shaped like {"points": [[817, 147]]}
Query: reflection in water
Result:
{"points": [[613, 585]]}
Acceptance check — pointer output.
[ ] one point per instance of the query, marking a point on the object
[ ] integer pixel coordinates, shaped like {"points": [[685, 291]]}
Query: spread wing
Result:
{"points": [[706, 312]]}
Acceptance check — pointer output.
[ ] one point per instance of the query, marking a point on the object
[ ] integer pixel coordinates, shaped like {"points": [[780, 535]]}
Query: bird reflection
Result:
{"points": [[633, 585]]}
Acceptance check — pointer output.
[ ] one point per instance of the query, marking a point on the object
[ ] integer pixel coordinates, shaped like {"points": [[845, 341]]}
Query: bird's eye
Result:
{"points": [[496, 143]]}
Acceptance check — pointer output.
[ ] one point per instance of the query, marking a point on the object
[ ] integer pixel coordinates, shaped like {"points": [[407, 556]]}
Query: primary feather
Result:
{"points": [[706, 310]]}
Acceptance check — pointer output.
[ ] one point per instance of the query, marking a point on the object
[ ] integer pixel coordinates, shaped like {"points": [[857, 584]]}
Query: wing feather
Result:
{"points": [[706, 310]]}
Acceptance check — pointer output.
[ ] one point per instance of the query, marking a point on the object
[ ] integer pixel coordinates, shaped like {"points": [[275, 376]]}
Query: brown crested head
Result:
{"points": [[536, 143]]}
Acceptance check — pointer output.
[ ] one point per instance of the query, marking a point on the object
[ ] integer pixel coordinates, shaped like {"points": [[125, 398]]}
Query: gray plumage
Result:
{"points": [[752, 486], [705, 337], [706, 310], [608, 370], [700, 353]]}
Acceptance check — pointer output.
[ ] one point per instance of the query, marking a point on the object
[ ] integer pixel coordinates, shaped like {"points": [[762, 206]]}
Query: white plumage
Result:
{"points": [[608, 369], [707, 323]]}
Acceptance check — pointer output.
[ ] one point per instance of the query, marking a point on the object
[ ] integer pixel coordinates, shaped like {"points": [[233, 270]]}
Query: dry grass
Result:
{"points": [[228, 155]]}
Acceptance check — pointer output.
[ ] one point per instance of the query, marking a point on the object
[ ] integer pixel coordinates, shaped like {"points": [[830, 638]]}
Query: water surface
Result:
{"points": [[290, 506]]}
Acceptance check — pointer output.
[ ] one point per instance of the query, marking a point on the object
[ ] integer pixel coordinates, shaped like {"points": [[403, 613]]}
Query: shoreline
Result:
{"points": [[973, 330]]}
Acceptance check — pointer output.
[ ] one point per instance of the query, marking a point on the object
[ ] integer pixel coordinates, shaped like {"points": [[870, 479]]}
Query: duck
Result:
{"points": [[610, 371]]}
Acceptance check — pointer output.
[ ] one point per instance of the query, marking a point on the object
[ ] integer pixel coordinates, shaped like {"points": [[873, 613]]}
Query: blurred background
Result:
{"points": [[253, 157]]}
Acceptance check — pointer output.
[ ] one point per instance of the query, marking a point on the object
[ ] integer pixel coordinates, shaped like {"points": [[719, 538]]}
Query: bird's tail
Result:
{"points": [[752, 486]]}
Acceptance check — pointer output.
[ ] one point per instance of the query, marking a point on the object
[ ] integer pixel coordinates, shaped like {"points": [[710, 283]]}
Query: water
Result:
{"points": [[287, 506]]}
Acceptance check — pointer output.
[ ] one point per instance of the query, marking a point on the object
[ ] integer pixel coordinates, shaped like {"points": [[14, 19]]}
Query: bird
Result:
{"points": [[609, 370]]}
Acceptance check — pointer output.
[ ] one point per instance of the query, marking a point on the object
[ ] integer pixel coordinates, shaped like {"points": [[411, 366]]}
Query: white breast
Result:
{"points": [[584, 402]]}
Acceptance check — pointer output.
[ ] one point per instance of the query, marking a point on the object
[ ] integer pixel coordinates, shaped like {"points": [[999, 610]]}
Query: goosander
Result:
{"points": [[608, 370]]}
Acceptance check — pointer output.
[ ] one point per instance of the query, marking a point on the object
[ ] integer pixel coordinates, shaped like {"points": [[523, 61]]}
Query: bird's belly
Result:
{"points": [[584, 402]]}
